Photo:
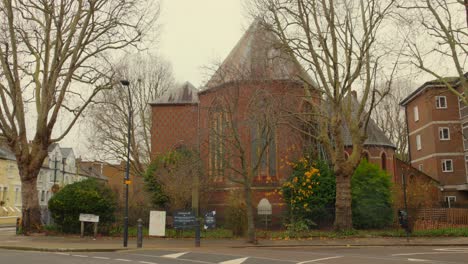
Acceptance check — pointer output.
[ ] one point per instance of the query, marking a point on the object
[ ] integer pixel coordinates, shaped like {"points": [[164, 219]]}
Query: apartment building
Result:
{"points": [[437, 124]]}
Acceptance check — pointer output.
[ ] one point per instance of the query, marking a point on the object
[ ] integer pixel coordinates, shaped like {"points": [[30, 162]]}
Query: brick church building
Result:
{"points": [[255, 79]]}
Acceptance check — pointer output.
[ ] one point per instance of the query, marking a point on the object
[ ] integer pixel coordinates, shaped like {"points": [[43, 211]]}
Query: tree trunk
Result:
{"points": [[343, 211], [250, 215], [31, 210]]}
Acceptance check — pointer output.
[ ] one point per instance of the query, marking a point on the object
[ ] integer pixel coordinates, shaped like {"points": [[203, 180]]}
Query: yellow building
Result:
{"points": [[10, 184]]}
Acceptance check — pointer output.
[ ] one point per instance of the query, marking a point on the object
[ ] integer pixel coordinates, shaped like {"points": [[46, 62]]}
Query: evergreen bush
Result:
{"points": [[85, 197], [371, 197]]}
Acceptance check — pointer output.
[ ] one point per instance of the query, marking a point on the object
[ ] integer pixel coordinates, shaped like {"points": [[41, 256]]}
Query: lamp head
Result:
{"points": [[125, 82]]}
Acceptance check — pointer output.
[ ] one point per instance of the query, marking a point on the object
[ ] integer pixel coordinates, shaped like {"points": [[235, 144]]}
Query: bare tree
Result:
{"points": [[391, 119], [340, 43], [150, 76], [445, 40], [53, 56], [176, 173], [230, 155]]}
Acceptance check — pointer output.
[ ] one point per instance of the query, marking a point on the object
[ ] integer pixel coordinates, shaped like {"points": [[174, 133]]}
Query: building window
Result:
{"points": [[441, 102], [264, 150], [416, 114], [420, 167], [444, 133], [4, 195], [42, 196], [17, 195], [218, 125], [365, 156], [346, 155], [384, 161], [418, 142], [463, 109], [450, 200], [447, 165]]}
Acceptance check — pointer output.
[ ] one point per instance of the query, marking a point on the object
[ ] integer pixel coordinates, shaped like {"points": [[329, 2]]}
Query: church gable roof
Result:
{"points": [[183, 94], [258, 56]]}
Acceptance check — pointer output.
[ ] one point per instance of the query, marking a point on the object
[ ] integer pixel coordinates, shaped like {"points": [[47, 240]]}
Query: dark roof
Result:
{"points": [[90, 170], [51, 147], [454, 81], [183, 94], [375, 136], [258, 56], [6, 153], [66, 152]]}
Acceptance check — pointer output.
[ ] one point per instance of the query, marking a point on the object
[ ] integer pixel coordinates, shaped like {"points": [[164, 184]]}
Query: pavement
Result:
{"points": [[8, 240]]}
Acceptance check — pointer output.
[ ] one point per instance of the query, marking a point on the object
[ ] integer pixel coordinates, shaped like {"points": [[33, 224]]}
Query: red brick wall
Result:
{"points": [[288, 140], [375, 157], [173, 125], [431, 119]]}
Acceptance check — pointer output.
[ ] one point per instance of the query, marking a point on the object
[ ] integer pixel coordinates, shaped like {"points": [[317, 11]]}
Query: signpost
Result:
{"points": [[187, 220], [91, 219]]}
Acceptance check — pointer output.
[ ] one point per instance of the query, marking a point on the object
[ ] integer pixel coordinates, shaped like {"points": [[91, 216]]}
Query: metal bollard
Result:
{"points": [[18, 223], [140, 233], [197, 234]]}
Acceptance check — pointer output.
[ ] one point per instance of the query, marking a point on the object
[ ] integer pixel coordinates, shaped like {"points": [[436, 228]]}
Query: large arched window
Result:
{"points": [[262, 120], [217, 133], [383, 158]]}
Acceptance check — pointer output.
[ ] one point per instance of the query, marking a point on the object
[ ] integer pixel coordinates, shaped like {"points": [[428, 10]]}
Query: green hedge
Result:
{"points": [[87, 197]]}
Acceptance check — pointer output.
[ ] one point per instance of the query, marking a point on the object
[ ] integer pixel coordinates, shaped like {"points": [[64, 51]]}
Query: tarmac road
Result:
{"points": [[296, 255]]}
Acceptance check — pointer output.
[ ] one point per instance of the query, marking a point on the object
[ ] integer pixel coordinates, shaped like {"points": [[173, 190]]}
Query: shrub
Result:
{"points": [[171, 177], [87, 197], [309, 192], [371, 197], [153, 186], [236, 214]]}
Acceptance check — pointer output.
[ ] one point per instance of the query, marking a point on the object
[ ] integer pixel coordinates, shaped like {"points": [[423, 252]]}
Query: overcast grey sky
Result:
{"points": [[196, 33]]}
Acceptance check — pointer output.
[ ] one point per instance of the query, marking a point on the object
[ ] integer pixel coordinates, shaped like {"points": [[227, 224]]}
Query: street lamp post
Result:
{"points": [[127, 169]]}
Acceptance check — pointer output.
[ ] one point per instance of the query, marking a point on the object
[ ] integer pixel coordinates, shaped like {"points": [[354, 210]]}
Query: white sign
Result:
{"points": [[89, 218], [157, 223], [264, 207]]}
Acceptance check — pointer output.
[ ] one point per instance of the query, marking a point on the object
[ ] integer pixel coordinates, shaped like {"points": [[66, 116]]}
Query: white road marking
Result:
{"points": [[63, 254], [317, 260], [80, 256], [101, 257], [174, 256], [417, 260], [146, 262], [126, 260], [453, 249], [234, 261], [430, 253]]}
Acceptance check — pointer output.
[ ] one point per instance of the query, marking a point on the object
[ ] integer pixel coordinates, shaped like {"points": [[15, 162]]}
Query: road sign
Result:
{"points": [[89, 218]]}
